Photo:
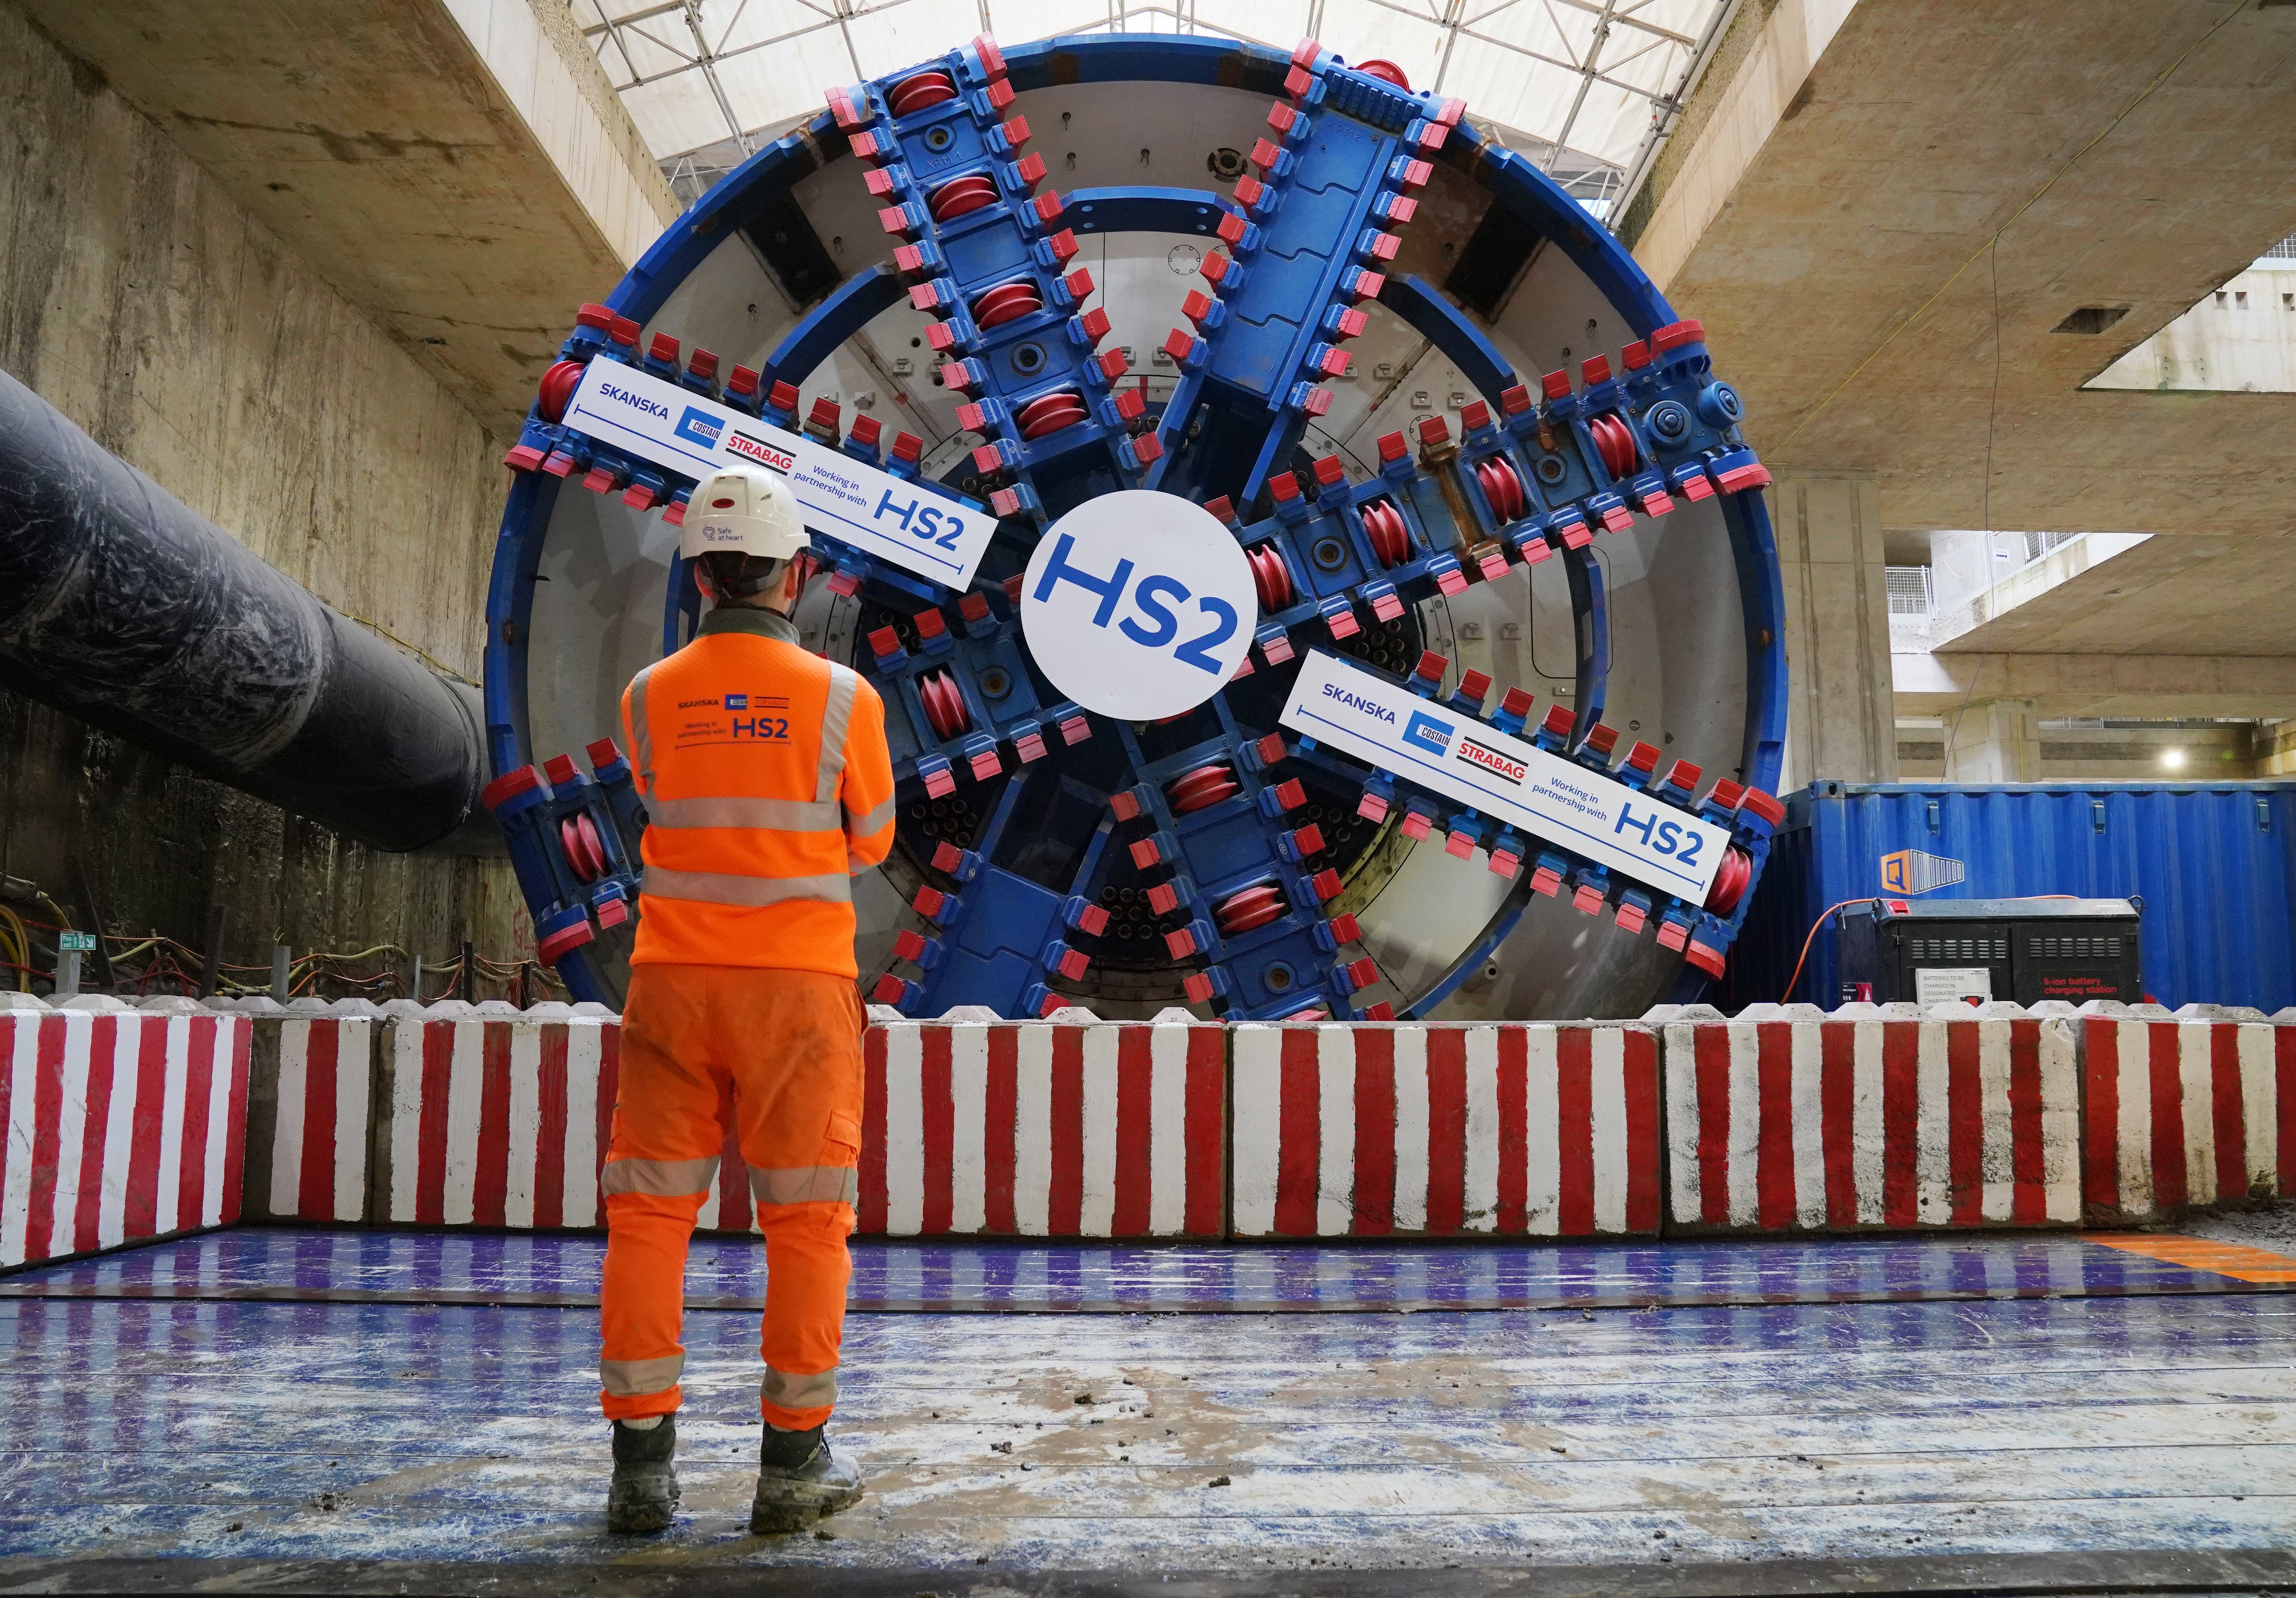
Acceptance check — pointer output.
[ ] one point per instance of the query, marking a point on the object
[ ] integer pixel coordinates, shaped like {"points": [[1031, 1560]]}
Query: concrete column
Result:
{"points": [[1842, 722], [1998, 740]]}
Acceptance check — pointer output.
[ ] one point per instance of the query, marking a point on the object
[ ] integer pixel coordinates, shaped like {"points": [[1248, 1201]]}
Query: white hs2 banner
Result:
{"points": [[1504, 778], [911, 526]]}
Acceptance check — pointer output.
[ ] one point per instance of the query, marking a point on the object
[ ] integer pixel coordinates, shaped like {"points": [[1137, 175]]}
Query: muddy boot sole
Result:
{"points": [[786, 1504], [638, 1503]]}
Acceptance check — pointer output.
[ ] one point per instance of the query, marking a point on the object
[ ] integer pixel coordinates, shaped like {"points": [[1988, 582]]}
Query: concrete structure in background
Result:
{"points": [[303, 271], [458, 170], [2240, 339], [1939, 239], [1841, 717]]}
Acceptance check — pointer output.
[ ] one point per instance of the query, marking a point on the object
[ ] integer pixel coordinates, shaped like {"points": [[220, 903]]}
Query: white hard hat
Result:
{"points": [[745, 511]]}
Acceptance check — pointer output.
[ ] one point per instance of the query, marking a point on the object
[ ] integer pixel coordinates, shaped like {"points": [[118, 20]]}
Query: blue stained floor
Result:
{"points": [[727, 1273], [2118, 1404]]}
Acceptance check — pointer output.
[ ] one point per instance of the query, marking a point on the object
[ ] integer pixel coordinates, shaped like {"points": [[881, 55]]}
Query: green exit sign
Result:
{"points": [[75, 943]]}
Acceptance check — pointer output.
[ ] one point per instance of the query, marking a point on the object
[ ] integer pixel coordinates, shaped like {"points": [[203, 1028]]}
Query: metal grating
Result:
{"points": [[1589, 87], [1909, 590]]}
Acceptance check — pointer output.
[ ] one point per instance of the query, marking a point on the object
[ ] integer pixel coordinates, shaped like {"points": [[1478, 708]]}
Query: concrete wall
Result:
{"points": [[2240, 339], [2097, 751], [138, 298]]}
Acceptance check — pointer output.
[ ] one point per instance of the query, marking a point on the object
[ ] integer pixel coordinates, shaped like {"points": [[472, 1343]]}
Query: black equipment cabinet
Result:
{"points": [[2027, 950]]}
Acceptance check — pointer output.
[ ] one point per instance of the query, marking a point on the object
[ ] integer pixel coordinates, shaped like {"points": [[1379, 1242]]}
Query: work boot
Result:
{"points": [[799, 1481], [644, 1496]]}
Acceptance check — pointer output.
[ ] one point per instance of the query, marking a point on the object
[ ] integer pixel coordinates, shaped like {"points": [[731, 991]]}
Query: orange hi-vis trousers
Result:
{"points": [[774, 1056]]}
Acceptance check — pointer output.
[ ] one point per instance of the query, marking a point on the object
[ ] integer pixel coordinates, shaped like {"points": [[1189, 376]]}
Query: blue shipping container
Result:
{"points": [[2215, 865]]}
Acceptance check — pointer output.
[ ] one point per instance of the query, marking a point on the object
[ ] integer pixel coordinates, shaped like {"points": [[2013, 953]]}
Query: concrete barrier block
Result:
{"points": [[1947, 1120], [2183, 1113], [123, 1126], [1067, 1127], [1445, 1130]]}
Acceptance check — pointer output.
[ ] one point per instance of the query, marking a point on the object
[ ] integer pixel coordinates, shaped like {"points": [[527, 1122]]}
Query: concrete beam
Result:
{"points": [[2115, 687], [2165, 596], [1884, 212], [458, 169]]}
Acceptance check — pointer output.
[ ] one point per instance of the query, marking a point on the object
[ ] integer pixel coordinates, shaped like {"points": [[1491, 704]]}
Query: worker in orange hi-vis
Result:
{"points": [[767, 785]]}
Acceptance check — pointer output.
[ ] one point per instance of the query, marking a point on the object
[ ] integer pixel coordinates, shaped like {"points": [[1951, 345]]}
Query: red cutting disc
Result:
{"points": [[1386, 71], [1049, 413], [1006, 302], [577, 856], [1270, 577], [1205, 785], [1253, 907], [944, 705], [1501, 487], [1391, 540], [558, 387], [1729, 881], [915, 94], [962, 198], [593, 848], [1615, 442]]}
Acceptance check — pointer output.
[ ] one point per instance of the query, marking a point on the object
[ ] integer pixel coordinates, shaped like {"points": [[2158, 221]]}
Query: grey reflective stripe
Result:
{"points": [[798, 1392], [806, 1185], [722, 887], [782, 816], [638, 1378], [641, 736], [836, 716], [663, 1178], [863, 826]]}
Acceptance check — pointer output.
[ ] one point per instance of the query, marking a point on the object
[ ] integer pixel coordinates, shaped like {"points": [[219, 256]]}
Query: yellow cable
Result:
{"points": [[427, 658], [21, 946]]}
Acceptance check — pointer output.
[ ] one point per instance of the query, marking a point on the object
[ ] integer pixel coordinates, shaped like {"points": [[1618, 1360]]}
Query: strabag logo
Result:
{"points": [[1489, 759], [1428, 733], [1356, 701], [757, 449], [698, 426], [628, 399]]}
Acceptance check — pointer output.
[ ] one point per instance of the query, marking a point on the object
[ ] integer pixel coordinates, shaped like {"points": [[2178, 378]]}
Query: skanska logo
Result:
{"points": [[1428, 733], [698, 426], [1356, 701], [639, 402]]}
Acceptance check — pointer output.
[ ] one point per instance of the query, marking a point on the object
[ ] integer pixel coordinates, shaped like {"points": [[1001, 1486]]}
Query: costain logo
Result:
{"points": [[1428, 733], [1489, 759], [737, 702], [698, 426]]}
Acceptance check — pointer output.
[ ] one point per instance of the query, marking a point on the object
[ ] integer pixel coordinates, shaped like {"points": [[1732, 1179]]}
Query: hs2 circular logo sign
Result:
{"points": [[1138, 605]]}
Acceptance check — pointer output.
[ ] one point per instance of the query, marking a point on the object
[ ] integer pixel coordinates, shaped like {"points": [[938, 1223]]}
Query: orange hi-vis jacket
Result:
{"points": [[768, 786]]}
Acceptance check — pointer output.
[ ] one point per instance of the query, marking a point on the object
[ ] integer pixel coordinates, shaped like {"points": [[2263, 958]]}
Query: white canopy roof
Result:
{"points": [[1584, 86]]}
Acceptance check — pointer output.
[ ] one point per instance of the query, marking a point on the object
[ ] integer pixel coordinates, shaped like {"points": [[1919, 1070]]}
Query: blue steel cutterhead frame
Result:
{"points": [[1236, 888]]}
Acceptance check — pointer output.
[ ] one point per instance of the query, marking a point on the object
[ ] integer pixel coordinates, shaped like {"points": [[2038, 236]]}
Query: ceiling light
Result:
{"points": [[2173, 758]]}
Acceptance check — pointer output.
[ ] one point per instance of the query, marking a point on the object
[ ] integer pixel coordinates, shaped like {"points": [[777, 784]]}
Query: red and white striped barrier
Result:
{"points": [[1043, 1129], [1374, 1130], [2183, 1112], [313, 1084], [1810, 1125], [122, 1126], [502, 1122]]}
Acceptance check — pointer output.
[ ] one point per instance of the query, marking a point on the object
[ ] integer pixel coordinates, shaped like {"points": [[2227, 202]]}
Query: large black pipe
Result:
{"points": [[122, 606]]}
